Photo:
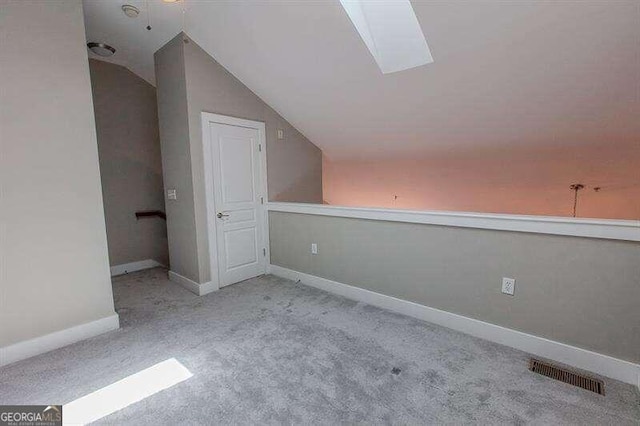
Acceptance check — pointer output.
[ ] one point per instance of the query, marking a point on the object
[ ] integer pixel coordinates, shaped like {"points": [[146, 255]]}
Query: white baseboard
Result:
{"points": [[604, 365], [125, 268], [48, 342], [192, 286]]}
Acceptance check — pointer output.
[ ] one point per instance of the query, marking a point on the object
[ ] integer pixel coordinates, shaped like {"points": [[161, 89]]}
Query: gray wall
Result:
{"points": [[130, 165], [580, 291], [176, 158], [190, 82], [54, 266]]}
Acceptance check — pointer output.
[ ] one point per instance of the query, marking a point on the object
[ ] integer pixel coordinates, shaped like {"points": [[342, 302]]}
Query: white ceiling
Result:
{"points": [[506, 74]]}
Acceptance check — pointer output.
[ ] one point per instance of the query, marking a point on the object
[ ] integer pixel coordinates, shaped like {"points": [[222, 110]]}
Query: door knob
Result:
{"points": [[221, 215]]}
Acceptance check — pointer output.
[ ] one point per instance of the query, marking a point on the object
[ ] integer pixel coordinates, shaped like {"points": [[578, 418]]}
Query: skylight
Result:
{"points": [[391, 31]]}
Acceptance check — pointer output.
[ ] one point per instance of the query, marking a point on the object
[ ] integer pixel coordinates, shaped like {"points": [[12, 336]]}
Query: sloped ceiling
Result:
{"points": [[106, 23], [506, 74]]}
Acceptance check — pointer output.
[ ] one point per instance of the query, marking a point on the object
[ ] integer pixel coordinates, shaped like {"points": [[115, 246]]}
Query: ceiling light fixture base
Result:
{"points": [[101, 49]]}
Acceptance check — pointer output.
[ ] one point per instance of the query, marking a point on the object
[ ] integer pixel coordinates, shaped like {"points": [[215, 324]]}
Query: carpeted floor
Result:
{"points": [[269, 351]]}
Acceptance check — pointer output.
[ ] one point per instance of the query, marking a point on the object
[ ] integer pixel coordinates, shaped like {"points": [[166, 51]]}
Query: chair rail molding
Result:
{"points": [[626, 230]]}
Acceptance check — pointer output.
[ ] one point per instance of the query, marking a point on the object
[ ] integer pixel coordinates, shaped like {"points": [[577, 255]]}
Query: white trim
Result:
{"points": [[208, 117], [48, 342], [126, 268], [192, 286], [628, 230], [604, 365]]}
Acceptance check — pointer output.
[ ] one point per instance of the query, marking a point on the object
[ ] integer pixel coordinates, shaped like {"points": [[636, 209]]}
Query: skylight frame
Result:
{"points": [[391, 31]]}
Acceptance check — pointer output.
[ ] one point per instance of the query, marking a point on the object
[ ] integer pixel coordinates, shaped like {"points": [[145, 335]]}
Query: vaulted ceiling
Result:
{"points": [[505, 74]]}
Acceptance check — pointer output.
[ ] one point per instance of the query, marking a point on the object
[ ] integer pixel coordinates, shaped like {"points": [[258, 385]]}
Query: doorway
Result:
{"points": [[236, 190]]}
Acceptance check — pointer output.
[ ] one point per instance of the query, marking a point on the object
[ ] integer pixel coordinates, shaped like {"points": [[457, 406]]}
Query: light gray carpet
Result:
{"points": [[270, 351]]}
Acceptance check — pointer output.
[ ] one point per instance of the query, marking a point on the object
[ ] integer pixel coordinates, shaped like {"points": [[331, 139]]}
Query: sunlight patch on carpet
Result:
{"points": [[125, 392]]}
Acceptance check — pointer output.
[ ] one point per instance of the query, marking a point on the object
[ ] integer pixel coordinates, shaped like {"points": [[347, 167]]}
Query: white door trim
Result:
{"points": [[208, 117]]}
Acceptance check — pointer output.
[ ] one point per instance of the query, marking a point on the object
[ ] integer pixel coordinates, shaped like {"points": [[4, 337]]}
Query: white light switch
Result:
{"points": [[171, 194], [508, 286], [280, 134], [314, 248]]}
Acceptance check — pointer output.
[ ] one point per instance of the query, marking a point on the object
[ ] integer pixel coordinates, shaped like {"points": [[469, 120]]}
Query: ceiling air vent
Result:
{"points": [[566, 376]]}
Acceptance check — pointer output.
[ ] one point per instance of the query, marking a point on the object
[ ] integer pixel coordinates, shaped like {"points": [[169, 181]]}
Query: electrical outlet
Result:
{"points": [[280, 134], [508, 285], [171, 194], [314, 248]]}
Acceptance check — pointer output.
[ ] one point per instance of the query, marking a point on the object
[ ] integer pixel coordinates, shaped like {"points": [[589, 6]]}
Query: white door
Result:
{"points": [[235, 198]]}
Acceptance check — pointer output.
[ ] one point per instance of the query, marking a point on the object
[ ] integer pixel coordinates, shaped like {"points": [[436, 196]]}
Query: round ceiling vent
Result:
{"points": [[130, 11], [101, 49]]}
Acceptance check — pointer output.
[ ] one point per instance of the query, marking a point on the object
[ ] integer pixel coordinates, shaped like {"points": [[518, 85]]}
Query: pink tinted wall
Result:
{"points": [[531, 182]]}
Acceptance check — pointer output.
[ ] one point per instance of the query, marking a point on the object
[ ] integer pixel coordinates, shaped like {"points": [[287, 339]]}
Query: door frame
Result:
{"points": [[206, 118]]}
